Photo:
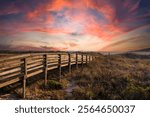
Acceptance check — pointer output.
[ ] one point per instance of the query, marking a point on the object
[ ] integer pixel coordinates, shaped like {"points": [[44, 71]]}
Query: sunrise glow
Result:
{"points": [[74, 25]]}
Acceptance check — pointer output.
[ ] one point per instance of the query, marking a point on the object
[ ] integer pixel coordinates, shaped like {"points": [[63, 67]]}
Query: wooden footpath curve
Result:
{"points": [[21, 67]]}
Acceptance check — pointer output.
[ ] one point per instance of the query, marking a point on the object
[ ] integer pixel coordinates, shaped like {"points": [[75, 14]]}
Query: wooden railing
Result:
{"points": [[21, 67]]}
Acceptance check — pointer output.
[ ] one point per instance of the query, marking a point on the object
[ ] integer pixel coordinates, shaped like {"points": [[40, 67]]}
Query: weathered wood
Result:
{"points": [[59, 65], [24, 78], [36, 61], [89, 59], [93, 58], [86, 59], [7, 76], [34, 65], [73, 61], [76, 60], [65, 64], [5, 65], [35, 57], [56, 61], [17, 68], [52, 56], [64, 61], [53, 60], [69, 62], [36, 68], [53, 67], [34, 73], [10, 71], [32, 60], [52, 64], [14, 57], [9, 82], [82, 60], [45, 69]]}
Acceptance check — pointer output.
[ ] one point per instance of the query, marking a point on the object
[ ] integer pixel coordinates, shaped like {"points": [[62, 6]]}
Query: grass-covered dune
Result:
{"points": [[114, 77]]}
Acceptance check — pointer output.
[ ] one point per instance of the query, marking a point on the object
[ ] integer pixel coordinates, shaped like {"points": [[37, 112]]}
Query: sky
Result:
{"points": [[74, 25]]}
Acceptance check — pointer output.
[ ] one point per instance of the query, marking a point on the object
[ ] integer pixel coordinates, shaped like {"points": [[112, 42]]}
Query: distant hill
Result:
{"points": [[143, 50]]}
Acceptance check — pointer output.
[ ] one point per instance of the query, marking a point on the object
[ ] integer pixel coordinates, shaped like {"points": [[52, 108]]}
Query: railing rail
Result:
{"points": [[21, 67]]}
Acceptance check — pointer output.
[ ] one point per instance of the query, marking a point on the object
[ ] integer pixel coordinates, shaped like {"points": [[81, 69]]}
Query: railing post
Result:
{"points": [[82, 60], [93, 58], [24, 77], [45, 69], [76, 60], [59, 65], [86, 59], [89, 58], [69, 62]]}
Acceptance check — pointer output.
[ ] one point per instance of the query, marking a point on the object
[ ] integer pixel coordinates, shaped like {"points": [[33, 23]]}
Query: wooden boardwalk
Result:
{"points": [[21, 67]]}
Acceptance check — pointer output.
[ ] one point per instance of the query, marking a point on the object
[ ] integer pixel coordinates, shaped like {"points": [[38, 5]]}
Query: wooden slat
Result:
{"points": [[9, 75], [53, 61], [73, 62], [33, 65], [52, 56], [52, 67], [52, 64], [34, 73], [15, 57], [34, 61], [10, 71], [63, 61], [63, 65], [33, 57], [8, 68], [10, 63], [34, 68], [9, 82]]}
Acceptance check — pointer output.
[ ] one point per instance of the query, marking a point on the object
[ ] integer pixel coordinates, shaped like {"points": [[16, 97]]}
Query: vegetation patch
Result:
{"points": [[54, 85]]}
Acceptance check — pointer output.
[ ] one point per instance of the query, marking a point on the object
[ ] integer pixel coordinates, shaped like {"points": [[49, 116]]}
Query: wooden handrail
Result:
{"points": [[32, 64]]}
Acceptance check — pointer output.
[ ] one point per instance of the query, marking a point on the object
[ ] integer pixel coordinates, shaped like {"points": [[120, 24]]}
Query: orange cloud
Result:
{"points": [[57, 5], [33, 14]]}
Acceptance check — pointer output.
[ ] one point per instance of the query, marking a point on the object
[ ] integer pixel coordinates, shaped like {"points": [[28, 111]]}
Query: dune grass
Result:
{"points": [[113, 77]]}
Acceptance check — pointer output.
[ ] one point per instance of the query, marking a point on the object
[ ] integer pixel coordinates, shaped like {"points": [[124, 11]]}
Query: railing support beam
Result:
{"points": [[24, 77], [86, 59], [69, 62], [59, 65], [76, 60], [82, 60], [45, 70]]}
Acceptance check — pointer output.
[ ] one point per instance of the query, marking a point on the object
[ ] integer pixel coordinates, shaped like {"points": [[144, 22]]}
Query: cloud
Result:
{"points": [[29, 48], [102, 20], [130, 44], [7, 9]]}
